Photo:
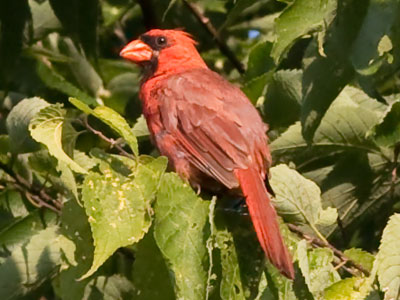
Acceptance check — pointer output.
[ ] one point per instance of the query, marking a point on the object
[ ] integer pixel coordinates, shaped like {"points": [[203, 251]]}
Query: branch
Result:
{"points": [[339, 254], [223, 47], [112, 142], [38, 198]]}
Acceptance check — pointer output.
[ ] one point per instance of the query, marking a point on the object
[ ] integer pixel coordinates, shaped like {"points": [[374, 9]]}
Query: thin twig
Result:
{"points": [[37, 198], [111, 141], [319, 243], [223, 47]]}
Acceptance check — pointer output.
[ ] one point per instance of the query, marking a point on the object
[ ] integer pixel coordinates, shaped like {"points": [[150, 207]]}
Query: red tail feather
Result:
{"points": [[264, 219]]}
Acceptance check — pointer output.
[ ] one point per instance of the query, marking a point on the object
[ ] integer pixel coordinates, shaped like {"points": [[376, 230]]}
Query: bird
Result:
{"points": [[208, 129]]}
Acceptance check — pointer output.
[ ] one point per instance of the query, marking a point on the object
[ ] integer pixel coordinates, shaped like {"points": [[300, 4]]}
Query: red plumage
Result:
{"points": [[207, 128]]}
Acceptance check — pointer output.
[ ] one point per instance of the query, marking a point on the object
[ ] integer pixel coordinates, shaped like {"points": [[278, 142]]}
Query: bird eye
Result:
{"points": [[161, 41]]}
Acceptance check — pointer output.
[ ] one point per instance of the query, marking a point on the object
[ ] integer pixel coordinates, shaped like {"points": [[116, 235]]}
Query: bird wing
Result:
{"points": [[214, 122]]}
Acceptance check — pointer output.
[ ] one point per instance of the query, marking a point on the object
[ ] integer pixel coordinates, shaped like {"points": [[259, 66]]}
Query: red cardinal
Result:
{"points": [[207, 128]]}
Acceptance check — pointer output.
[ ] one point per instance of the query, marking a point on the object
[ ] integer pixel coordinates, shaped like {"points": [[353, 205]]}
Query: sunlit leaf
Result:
{"points": [[299, 19], [180, 218], [112, 119], [317, 269], [47, 128], [118, 207], [388, 259], [298, 199]]}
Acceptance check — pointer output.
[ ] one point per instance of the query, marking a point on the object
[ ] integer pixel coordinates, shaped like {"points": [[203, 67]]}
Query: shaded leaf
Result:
{"points": [[325, 76], [76, 228], [115, 287], [33, 263], [150, 270], [377, 23], [283, 98], [18, 122], [56, 81], [85, 74], [14, 16], [80, 19], [43, 18], [180, 220], [387, 132]]}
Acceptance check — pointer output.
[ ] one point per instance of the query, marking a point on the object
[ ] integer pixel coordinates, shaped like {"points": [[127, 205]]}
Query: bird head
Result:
{"points": [[164, 52]]}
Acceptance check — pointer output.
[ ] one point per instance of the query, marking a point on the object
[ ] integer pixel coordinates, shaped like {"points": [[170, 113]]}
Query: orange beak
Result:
{"points": [[137, 51]]}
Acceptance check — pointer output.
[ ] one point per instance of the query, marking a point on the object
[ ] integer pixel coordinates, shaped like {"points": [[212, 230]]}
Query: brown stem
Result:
{"points": [[223, 47], [112, 142], [339, 254], [37, 198]]}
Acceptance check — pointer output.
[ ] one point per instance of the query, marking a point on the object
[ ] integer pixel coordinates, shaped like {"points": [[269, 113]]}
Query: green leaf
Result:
{"points": [[344, 126], [236, 11], [119, 207], [12, 207], [255, 87], [47, 127], [118, 123], [56, 81], [30, 265], [387, 132], [115, 287], [180, 220], [283, 98], [388, 259], [80, 19], [140, 128], [18, 122], [325, 75], [231, 284], [20, 229], [298, 199], [317, 269], [259, 61], [76, 228], [279, 287], [84, 73], [43, 19], [300, 18], [150, 270], [361, 257], [5, 148], [377, 23], [112, 119], [346, 289], [14, 16]]}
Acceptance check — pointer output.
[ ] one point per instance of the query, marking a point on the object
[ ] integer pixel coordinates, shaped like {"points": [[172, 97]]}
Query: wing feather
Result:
{"points": [[216, 125]]}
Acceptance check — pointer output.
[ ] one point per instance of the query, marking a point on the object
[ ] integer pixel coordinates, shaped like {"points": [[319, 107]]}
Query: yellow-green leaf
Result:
{"points": [[47, 128]]}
